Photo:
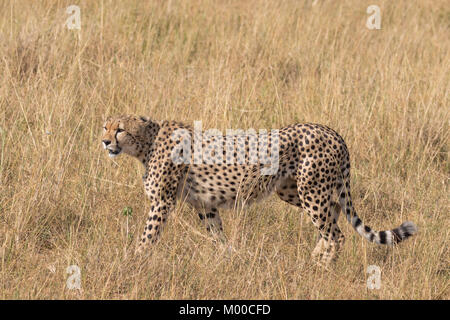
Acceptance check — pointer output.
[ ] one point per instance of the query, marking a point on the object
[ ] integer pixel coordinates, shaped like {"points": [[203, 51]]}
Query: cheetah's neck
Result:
{"points": [[147, 143]]}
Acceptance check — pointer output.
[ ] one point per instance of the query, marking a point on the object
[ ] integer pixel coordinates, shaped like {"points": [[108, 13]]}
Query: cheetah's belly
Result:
{"points": [[207, 187]]}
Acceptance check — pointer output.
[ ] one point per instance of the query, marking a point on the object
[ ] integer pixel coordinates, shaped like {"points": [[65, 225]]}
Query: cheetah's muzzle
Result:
{"points": [[114, 150], [114, 153]]}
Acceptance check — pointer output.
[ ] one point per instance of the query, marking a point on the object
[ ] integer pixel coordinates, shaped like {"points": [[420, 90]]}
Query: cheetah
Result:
{"points": [[312, 173]]}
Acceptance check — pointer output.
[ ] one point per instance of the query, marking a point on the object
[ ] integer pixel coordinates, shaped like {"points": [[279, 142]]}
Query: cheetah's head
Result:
{"points": [[124, 134]]}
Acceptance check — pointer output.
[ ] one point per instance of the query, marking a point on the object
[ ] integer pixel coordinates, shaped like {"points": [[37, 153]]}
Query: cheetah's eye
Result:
{"points": [[120, 130]]}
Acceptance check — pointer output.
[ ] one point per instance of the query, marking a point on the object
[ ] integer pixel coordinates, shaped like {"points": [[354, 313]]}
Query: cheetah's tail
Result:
{"points": [[389, 237]]}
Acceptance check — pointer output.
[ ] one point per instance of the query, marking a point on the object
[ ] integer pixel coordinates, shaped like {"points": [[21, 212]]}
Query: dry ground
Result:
{"points": [[233, 64]]}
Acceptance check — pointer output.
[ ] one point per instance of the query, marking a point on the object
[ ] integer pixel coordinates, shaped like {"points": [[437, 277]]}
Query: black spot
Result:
{"points": [[382, 237]]}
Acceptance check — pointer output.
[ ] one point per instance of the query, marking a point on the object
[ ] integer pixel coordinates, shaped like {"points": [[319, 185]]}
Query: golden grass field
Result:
{"points": [[232, 64]]}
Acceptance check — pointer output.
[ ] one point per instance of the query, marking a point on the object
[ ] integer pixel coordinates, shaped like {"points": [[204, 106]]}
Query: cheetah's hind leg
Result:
{"points": [[213, 224], [331, 238], [327, 251], [324, 214]]}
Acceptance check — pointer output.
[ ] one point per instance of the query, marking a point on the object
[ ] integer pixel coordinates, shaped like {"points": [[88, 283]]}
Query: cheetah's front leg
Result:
{"points": [[161, 190], [156, 220]]}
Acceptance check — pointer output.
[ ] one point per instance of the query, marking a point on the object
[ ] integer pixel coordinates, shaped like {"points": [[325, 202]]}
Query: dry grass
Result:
{"points": [[233, 64]]}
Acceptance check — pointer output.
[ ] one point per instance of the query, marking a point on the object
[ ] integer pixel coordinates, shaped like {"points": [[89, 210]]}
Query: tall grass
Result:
{"points": [[233, 64]]}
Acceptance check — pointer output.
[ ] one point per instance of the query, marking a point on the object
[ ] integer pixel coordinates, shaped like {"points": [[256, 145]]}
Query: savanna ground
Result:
{"points": [[232, 64]]}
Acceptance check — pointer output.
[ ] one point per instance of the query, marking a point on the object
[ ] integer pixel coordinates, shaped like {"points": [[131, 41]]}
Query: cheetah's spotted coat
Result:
{"points": [[313, 174]]}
